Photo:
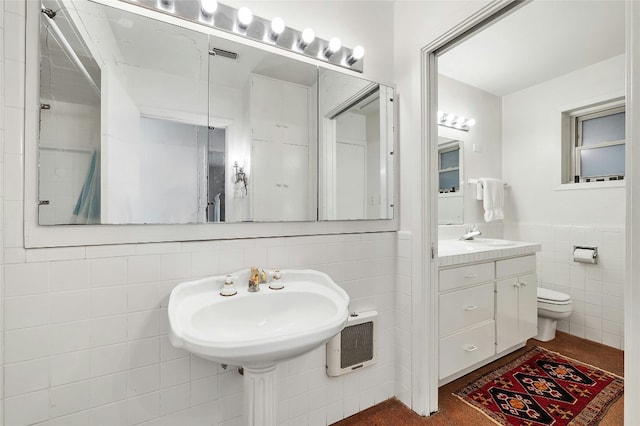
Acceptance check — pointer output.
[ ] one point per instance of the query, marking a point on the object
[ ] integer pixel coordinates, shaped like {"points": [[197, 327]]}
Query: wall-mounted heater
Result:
{"points": [[356, 345]]}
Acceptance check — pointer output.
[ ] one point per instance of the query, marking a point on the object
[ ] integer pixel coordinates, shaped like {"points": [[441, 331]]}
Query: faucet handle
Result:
{"points": [[276, 281], [228, 289]]}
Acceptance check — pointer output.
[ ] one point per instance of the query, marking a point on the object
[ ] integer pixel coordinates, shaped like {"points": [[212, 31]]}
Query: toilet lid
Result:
{"points": [[552, 296]]}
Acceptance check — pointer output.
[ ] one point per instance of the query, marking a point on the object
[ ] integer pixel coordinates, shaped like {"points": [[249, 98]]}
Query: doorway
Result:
{"points": [[430, 55]]}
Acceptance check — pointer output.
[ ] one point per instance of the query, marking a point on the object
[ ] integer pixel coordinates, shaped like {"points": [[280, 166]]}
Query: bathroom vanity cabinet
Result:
{"points": [[486, 310], [516, 301]]}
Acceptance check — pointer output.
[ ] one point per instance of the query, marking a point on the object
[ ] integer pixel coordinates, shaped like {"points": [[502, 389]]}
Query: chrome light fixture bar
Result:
{"points": [[243, 23], [457, 122]]}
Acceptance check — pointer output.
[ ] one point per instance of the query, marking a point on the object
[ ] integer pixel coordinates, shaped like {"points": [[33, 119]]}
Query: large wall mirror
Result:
{"points": [[145, 122]]}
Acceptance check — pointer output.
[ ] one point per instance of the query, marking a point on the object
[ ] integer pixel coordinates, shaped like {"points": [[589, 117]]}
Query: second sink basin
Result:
{"points": [[257, 329], [490, 242]]}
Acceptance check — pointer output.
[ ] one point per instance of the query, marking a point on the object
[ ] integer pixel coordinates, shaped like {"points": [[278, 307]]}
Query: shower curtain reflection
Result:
{"points": [[87, 208]]}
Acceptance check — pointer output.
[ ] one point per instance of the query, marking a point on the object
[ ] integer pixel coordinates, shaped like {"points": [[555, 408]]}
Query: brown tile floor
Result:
{"points": [[454, 412]]}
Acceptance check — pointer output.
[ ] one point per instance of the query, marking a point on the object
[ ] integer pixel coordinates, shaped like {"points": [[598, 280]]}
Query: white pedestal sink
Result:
{"points": [[257, 330]]}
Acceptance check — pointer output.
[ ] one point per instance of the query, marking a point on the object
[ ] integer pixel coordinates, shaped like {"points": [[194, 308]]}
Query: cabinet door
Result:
{"points": [[266, 109], [294, 182], [295, 114], [507, 296], [528, 306], [265, 183]]}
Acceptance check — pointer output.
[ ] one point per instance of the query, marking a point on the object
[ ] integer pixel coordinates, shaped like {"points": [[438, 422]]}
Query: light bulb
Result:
{"points": [[307, 38], [244, 16], [334, 44], [208, 7], [358, 52], [450, 118], [308, 35], [440, 115], [333, 47], [461, 121], [277, 26], [471, 122]]}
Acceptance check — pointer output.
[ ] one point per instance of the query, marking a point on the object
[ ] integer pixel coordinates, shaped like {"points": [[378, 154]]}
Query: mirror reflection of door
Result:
{"points": [[354, 148]]}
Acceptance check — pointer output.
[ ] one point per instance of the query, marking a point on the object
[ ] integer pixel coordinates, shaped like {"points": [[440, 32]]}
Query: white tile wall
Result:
{"points": [[403, 319], [597, 291], [95, 345], [92, 347]]}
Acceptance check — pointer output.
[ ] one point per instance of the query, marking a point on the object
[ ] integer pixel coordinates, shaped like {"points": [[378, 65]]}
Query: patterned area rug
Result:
{"points": [[544, 388]]}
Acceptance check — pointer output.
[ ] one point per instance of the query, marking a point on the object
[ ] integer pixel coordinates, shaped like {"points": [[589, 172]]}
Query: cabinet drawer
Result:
{"points": [[462, 350], [515, 266], [465, 275], [464, 308]]}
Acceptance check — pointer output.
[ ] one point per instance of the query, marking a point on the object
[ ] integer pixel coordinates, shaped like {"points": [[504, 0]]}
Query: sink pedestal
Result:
{"points": [[260, 396]]}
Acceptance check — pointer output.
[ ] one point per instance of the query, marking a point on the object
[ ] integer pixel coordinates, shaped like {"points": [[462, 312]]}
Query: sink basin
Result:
{"points": [[257, 329]]}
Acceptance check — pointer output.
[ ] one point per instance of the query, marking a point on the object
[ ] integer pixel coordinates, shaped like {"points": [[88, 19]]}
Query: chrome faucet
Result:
{"points": [[472, 231], [256, 277]]}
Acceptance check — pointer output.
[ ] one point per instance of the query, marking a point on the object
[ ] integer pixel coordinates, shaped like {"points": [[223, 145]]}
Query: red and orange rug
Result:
{"points": [[544, 388]]}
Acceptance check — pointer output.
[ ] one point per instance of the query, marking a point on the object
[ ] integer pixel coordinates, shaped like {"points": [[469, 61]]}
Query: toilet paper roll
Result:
{"points": [[584, 255]]}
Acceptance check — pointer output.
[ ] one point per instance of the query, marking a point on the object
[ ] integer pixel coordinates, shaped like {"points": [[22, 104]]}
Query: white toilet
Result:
{"points": [[552, 306]]}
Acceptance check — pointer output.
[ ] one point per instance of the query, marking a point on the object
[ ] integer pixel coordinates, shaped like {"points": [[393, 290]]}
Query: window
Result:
{"points": [[598, 144], [449, 168]]}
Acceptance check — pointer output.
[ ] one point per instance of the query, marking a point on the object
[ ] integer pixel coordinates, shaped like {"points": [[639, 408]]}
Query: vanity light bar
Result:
{"points": [[457, 122], [243, 23]]}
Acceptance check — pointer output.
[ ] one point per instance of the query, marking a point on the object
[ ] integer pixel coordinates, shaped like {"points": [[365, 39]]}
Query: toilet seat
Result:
{"points": [[551, 297]]}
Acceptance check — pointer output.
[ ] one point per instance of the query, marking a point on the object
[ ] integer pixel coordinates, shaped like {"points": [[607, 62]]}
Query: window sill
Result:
{"points": [[591, 185], [450, 194]]}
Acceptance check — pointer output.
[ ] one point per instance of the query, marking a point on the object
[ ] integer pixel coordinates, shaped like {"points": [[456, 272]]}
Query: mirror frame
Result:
{"points": [[82, 235]]}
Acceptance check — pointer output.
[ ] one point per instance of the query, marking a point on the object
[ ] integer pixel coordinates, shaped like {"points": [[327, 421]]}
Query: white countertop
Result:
{"points": [[457, 252]]}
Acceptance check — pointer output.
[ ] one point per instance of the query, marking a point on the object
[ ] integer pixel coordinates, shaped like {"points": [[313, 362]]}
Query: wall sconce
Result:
{"points": [[457, 122], [240, 181], [243, 23]]}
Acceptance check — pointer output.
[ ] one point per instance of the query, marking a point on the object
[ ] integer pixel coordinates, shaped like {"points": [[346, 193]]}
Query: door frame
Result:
{"points": [[425, 388]]}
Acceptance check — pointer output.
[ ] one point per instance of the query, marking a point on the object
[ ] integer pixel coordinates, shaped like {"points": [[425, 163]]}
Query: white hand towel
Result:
{"points": [[493, 199]]}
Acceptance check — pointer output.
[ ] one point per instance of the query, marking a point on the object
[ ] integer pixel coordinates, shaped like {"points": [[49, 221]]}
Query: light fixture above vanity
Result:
{"points": [[244, 23], [454, 121]]}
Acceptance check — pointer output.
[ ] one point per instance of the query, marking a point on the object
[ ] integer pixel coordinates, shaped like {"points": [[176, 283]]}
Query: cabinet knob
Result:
{"points": [[470, 348], [470, 307], [470, 275], [523, 283], [517, 285]]}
